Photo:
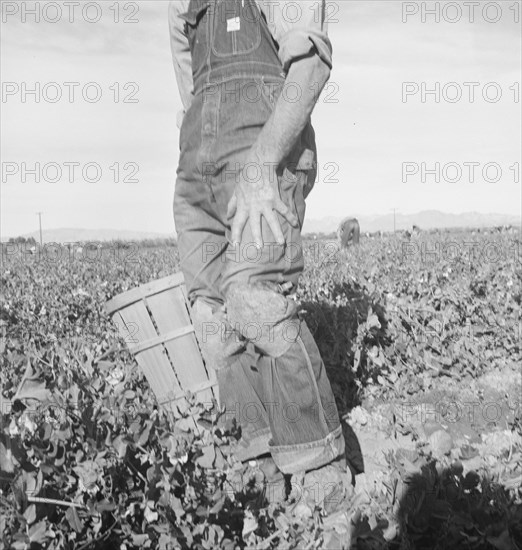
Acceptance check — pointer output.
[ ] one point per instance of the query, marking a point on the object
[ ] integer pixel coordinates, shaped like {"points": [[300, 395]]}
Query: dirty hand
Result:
{"points": [[257, 194]]}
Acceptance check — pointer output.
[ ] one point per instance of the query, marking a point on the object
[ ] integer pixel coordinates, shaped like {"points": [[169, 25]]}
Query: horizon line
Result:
{"points": [[173, 234]]}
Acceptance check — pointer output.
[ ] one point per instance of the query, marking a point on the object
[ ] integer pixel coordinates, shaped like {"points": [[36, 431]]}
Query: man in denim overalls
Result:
{"points": [[249, 75]]}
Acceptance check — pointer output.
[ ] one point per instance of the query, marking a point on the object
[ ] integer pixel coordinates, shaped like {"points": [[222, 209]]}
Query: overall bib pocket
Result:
{"points": [[236, 27]]}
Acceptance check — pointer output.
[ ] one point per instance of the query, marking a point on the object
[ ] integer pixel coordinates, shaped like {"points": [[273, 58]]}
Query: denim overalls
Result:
{"points": [[282, 398]]}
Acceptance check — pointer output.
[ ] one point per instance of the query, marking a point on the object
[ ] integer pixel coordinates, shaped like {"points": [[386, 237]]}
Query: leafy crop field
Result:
{"points": [[421, 338]]}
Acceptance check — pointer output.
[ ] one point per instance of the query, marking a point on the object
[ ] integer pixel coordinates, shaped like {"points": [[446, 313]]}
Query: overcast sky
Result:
{"points": [[366, 126]]}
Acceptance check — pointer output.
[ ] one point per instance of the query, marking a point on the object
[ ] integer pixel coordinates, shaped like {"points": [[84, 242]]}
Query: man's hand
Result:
{"points": [[257, 195]]}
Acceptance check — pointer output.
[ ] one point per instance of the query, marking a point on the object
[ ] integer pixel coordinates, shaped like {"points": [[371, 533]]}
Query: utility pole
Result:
{"points": [[394, 224], [39, 214]]}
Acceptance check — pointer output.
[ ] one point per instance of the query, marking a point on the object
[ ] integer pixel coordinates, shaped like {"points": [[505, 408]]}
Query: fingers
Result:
{"points": [[290, 217], [255, 219], [275, 226], [232, 206], [255, 227], [241, 215], [238, 225]]}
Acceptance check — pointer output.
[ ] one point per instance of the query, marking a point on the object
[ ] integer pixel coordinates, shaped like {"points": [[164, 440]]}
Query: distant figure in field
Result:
{"points": [[348, 232]]}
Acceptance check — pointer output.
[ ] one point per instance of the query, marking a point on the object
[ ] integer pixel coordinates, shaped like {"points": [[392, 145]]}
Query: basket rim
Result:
{"points": [[136, 294]]}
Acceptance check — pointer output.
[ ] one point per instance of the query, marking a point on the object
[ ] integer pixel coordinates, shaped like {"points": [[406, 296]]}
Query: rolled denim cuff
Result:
{"points": [[292, 459], [256, 445]]}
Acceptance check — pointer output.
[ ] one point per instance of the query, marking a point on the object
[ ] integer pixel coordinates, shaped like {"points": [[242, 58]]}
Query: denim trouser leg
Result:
{"points": [[306, 432], [283, 404], [275, 383], [242, 394]]}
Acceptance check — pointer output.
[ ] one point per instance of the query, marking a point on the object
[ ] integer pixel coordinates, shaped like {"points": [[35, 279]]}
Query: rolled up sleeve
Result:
{"points": [[300, 29], [181, 53]]}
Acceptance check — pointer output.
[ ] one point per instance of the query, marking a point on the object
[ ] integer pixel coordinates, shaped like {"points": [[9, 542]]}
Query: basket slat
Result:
{"points": [[164, 344], [169, 312], [209, 384], [210, 371], [161, 339], [136, 294], [154, 361]]}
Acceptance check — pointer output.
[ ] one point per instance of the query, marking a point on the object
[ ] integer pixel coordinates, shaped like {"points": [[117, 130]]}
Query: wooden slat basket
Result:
{"points": [[154, 320]]}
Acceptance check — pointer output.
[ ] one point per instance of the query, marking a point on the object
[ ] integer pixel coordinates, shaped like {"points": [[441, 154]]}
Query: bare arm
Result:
{"points": [[305, 53], [254, 199], [277, 138]]}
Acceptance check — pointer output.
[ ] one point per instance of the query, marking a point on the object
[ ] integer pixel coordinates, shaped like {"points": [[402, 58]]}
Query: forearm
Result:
{"points": [[280, 133]]}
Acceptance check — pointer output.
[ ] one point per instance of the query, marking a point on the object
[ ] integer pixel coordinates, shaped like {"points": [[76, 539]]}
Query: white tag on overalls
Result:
{"points": [[233, 24]]}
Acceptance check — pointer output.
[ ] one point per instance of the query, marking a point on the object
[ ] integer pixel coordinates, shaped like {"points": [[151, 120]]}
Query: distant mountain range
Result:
{"points": [[427, 219]]}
